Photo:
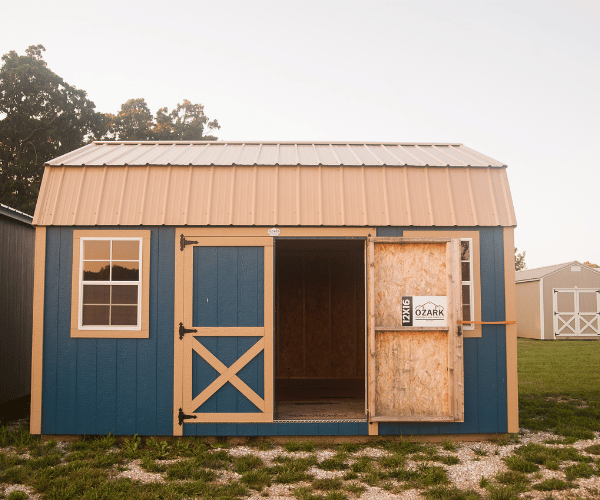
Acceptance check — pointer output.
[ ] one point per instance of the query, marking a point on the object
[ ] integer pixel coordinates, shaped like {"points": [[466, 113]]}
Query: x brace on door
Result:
{"points": [[227, 374]]}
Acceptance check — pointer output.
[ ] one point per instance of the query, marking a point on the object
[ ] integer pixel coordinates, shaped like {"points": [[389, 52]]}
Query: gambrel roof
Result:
{"points": [[274, 183]]}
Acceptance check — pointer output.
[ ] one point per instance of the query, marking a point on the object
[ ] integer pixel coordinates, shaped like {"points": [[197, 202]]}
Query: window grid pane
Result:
{"points": [[467, 282], [115, 300]]}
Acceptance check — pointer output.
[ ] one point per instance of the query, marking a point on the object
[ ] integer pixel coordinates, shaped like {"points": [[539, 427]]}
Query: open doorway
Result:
{"points": [[319, 329]]}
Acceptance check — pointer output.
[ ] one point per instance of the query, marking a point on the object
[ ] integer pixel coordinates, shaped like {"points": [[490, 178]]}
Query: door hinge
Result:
{"points": [[183, 331], [183, 416], [183, 242], [459, 330]]}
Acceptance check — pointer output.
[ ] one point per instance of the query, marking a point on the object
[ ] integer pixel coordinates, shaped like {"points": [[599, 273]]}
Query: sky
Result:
{"points": [[516, 80]]}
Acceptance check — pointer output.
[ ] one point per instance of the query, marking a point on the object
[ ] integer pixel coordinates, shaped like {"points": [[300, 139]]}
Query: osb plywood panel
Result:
{"points": [[409, 269], [412, 374]]}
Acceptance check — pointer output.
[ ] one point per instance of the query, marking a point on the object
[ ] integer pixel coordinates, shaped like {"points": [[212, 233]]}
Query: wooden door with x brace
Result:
{"points": [[224, 337]]}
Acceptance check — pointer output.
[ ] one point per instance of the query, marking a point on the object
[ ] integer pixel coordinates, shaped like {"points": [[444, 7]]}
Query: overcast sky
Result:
{"points": [[516, 80]]}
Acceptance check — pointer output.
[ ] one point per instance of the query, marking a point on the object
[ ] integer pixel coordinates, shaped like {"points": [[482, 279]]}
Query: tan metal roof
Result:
{"points": [[268, 184]]}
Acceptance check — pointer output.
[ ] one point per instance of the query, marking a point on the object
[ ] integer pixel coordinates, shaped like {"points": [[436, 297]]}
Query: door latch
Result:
{"points": [[183, 331]]}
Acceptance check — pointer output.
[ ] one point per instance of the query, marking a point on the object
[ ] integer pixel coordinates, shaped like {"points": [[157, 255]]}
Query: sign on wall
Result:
{"points": [[424, 311]]}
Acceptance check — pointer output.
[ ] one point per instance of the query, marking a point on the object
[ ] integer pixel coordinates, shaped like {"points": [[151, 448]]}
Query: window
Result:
{"points": [[110, 284], [466, 266]]}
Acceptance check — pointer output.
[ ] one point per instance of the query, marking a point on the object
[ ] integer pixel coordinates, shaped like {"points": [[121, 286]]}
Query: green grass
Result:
{"points": [[559, 387]]}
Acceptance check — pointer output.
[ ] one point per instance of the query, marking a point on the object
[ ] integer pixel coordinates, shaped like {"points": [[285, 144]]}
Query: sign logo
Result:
{"points": [[424, 310], [274, 231]]}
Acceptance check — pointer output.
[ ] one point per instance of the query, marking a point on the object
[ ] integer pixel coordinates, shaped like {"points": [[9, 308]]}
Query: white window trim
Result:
{"points": [[470, 283], [137, 327]]}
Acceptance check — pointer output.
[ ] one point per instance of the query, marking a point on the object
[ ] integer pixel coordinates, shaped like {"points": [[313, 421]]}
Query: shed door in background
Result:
{"points": [[576, 311], [415, 372], [226, 335]]}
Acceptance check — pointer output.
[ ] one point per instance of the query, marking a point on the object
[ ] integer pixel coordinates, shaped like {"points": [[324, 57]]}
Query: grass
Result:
{"points": [[559, 387]]}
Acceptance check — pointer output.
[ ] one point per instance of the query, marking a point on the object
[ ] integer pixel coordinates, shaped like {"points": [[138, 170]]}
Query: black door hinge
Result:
{"points": [[183, 331], [459, 330], [183, 416], [183, 242]]}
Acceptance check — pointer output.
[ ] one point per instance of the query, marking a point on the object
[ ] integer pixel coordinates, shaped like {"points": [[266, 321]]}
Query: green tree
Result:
{"points": [[135, 122], [519, 260], [132, 123], [41, 117]]}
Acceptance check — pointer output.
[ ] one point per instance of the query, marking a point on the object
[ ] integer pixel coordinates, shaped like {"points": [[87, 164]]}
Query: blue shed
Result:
{"points": [[271, 288]]}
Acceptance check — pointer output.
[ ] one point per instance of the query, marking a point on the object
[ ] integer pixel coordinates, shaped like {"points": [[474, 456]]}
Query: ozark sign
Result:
{"points": [[428, 311]]}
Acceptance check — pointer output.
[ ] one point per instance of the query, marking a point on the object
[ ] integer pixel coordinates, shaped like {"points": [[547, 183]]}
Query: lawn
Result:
{"points": [[559, 386]]}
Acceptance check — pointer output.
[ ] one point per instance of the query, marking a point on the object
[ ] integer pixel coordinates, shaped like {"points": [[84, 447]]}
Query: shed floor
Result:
{"points": [[321, 409]]}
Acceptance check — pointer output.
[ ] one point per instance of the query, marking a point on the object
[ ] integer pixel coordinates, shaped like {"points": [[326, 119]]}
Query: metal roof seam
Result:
{"points": [[428, 191], [386, 204], [121, 201], [420, 164], [493, 197], [392, 155], [381, 162], [450, 197], [188, 196], [209, 197], [335, 156], [144, 195], [62, 175], [486, 160], [453, 157], [472, 197], [360, 162], [407, 195], [507, 200], [100, 196], [419, 148]]}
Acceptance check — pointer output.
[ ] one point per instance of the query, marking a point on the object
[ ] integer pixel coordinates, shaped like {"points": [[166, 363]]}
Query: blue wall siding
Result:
{"points": [[485, 357], [96, 386], [124, 386]]}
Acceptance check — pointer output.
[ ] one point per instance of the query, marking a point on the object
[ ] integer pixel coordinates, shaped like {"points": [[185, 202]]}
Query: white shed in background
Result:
{"points": [[559, 302]]}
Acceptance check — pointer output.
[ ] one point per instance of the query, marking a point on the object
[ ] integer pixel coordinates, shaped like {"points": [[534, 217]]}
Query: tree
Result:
{"points": [[589, 264], [135, 122], [41, 117], [519, 260]]}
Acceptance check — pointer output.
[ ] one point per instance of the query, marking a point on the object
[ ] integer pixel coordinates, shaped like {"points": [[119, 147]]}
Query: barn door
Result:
{"points": [[588, 312], [225, 336], [576, 311], [565, 312], [414, 340]]}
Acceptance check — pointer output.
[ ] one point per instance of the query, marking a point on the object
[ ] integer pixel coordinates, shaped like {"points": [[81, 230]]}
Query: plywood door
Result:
{"points": [[226, 350], [415, 373]]}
